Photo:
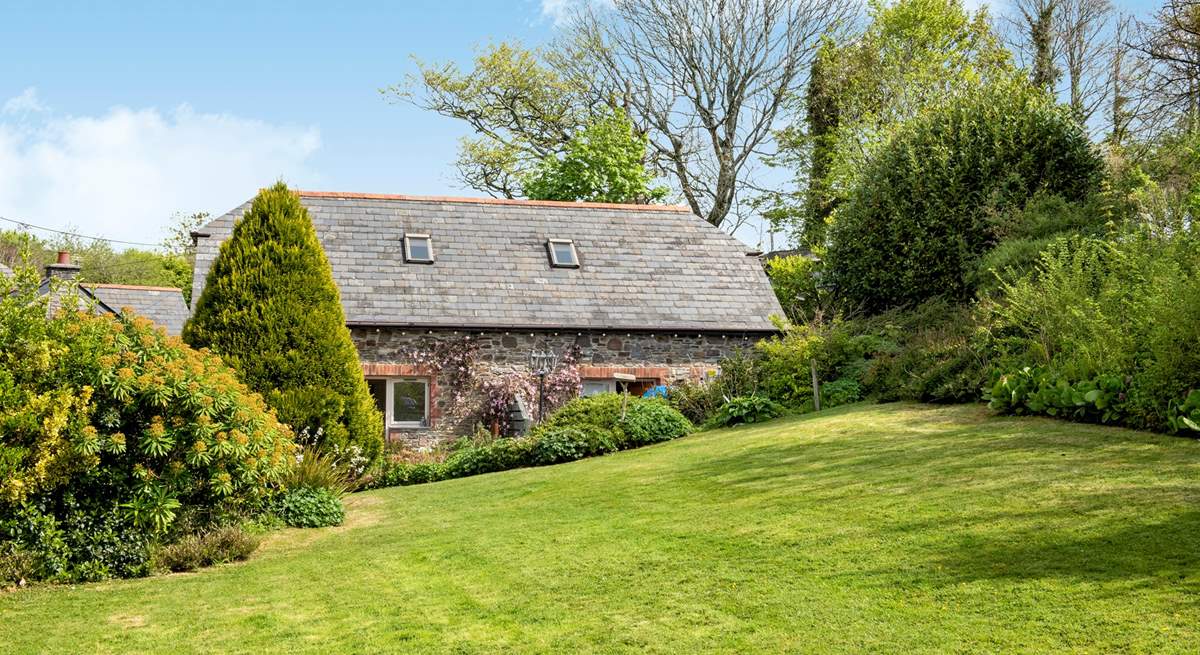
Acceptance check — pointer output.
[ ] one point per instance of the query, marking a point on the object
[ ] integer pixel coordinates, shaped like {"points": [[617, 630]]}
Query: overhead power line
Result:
{"points": [[77, 235]]}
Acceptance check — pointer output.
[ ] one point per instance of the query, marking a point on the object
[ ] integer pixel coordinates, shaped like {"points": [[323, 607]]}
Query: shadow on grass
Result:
{"points": [[1161, 552], [987, 498], [941, 445]]}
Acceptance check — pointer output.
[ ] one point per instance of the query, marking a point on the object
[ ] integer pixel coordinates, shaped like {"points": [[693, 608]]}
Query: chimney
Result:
{"points": [[62, 268]]}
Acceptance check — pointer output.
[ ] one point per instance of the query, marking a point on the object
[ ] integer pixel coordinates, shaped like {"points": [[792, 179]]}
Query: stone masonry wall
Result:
{"points": [[665, 357]]}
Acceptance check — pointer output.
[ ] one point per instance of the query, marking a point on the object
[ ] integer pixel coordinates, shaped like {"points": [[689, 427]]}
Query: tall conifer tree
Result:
{"points": [[271, 309]]}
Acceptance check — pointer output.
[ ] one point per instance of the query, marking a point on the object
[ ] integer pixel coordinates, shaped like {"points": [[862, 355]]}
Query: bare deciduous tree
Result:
{"points": [[1080, 28], [705, 79], [1126, 73], [1031, 35], [1066, 42], [1170, 42]]}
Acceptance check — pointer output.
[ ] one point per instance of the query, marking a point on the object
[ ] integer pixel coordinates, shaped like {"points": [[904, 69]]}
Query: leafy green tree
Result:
{"points": [[913, 54], [99, 262], [1041, 34], [180, 247], [821, 116], [603, 162], [930, 202], [540, 131], [1032, 26], [271, 309], [795, 279], [521, 108]]}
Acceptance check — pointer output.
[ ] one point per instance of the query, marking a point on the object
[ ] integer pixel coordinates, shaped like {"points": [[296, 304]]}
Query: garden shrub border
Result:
{"points": [[582, 428]]}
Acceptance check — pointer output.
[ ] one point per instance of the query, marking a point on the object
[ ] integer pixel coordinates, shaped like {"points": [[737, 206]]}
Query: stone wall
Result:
{"points": [[664, 357]]}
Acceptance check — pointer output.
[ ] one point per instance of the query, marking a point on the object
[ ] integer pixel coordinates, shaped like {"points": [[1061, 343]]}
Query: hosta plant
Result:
{"points": [[1185, 415], [311, 507], [1036, 391], [746, 409]]}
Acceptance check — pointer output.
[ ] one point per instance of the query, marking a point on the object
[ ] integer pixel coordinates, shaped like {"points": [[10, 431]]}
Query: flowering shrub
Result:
{"points": [[107, 421], [499, 392], [453, 359], [337, 466]]}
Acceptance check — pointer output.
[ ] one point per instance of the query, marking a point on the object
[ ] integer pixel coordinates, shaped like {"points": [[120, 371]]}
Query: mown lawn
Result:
{"points": [[885, 528]]}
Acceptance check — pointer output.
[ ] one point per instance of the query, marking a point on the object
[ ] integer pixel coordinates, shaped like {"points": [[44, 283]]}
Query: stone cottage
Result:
{"points": [[652, 292]]}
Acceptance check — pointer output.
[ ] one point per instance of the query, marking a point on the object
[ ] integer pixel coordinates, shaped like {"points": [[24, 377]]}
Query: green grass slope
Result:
{"points": [[886, 528]]}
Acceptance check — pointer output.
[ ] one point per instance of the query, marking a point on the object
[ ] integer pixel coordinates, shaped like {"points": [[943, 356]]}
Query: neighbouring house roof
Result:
{"points": [[163, 305], [642, 267], [65, 293], [791, 252]]}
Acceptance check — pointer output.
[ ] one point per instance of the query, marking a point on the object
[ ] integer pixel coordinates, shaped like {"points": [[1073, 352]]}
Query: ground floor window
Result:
{"points": [[403, 401], [593, 387]]}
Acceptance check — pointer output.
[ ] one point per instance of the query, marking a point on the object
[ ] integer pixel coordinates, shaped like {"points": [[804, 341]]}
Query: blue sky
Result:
{"points": [[123, 99], [115, 115]]}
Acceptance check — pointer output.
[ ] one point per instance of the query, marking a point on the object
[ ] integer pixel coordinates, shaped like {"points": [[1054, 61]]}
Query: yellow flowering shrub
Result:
{"points": [[112, 415]]}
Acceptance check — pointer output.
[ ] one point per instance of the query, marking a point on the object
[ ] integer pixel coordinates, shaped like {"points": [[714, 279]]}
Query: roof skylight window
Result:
{"points": [[418, 249], [562, 253]]}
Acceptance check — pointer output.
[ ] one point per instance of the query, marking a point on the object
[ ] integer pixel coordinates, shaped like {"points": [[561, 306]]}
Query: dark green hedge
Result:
{"points": [[927, 205]]}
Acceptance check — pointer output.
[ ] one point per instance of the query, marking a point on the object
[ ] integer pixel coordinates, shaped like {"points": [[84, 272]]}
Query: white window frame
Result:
{"points": [[554, 256], [610, 383], [389, 403], [408, 258]]}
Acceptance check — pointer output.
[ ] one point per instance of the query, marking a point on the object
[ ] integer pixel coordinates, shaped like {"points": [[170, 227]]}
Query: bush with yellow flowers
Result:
{"points": [[115, 436]]}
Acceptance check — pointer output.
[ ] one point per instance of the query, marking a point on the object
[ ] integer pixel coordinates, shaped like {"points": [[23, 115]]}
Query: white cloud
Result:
{"points": [[560, 11], [26, 103], [556, 10], [123, 174]]}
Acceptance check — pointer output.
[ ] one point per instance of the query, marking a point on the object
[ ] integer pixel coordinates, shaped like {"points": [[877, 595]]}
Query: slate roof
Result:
{"points": [[641, 267], [163, 305], [78, 297]]}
